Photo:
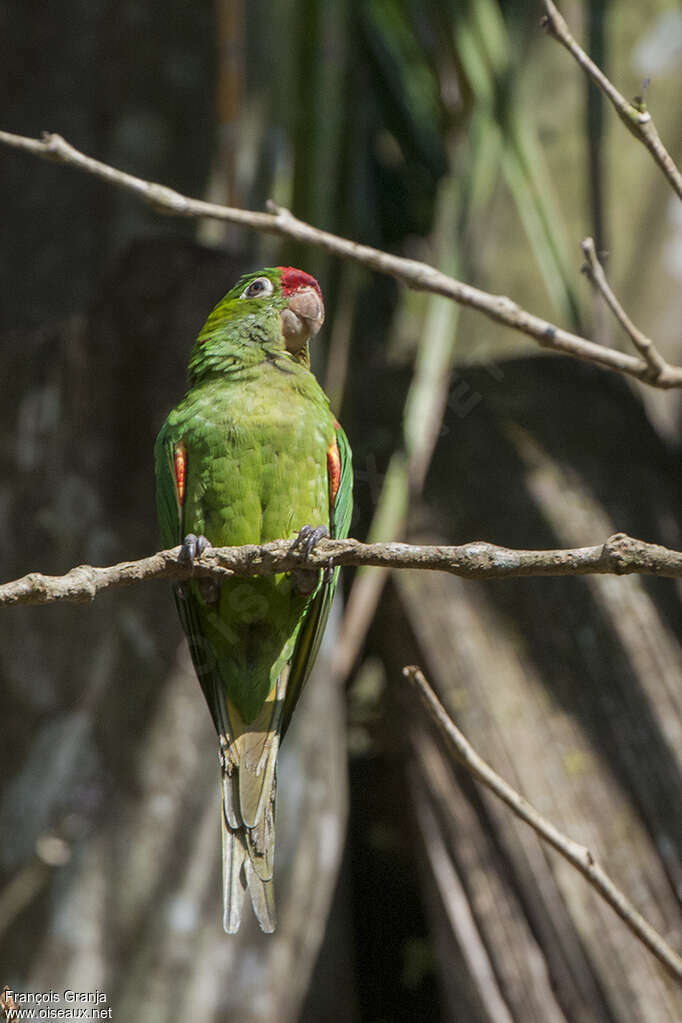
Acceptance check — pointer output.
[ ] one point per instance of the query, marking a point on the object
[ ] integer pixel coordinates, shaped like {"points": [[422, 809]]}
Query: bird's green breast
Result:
{"points": [[256, 455]]}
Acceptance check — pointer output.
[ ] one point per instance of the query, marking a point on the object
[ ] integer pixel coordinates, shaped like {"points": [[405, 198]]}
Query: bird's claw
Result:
{"points": [[193, 547], [308, 538]]}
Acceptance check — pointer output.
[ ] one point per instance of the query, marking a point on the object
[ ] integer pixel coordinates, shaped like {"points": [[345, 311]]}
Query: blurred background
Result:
{"points": [[457, 133]]}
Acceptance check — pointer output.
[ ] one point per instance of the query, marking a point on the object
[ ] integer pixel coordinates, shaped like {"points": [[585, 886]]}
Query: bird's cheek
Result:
{"points": [[294, 330]]}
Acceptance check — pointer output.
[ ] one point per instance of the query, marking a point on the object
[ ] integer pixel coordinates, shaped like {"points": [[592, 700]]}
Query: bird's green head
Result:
{"points": [[270, 314]]}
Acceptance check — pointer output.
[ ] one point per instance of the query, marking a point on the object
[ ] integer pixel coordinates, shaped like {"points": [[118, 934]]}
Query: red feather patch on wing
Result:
{"points": [[293, 279], [180, 467], [333, 471]]}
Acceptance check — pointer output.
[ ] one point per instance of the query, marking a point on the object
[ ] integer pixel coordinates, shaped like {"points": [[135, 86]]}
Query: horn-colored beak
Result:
{"points": [[301, 318]]}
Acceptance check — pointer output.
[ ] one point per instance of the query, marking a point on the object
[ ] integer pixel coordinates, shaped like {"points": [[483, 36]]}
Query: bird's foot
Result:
{"points": [[308, 538], [193, 547]]}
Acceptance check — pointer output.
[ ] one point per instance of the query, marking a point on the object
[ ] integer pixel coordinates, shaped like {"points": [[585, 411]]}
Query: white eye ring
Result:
{"points": [[259, 288]]}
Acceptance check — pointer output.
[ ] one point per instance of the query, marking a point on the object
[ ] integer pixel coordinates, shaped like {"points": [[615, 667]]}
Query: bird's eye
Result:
{"points": [[258, 289]]}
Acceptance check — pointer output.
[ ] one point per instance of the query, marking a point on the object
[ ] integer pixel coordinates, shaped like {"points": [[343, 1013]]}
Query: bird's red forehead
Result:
{"points": [[293, 279]]}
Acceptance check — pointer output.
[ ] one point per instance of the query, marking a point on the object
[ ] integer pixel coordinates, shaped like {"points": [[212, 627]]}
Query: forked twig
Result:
{"points": [[413, 274], [644, 345]]}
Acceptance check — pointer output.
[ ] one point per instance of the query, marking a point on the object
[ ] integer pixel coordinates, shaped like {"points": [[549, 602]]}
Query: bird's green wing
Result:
{"points": [[172, 527], [312, 629]]}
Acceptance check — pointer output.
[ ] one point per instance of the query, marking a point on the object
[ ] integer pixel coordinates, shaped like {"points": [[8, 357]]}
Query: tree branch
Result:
{"points": [[414, 274], [620, 555], [577, 855], [634, 116], [595, 272]]}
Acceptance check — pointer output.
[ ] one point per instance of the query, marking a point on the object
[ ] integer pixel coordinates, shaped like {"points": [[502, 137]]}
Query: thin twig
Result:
{"points": [[578, 855], [620, 555], [645, 346], [414, 274], [634, 116]]}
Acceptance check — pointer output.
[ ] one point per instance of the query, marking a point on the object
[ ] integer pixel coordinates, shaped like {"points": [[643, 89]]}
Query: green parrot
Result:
{"points": [[253, 453]]}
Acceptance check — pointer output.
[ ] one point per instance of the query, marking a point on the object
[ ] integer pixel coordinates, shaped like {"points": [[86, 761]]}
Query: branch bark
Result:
{"points": [[577, 855], [620, 555], [634, 116], [412, 273]]}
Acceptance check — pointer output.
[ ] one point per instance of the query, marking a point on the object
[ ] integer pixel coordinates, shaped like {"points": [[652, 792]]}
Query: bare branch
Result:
{"points": [[620, 555], [578, 855], [412, 273], [634, 116], [644, 345]]}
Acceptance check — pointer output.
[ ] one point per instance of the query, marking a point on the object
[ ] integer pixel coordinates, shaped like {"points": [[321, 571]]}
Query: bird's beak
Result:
{"points": [[301, 318]]}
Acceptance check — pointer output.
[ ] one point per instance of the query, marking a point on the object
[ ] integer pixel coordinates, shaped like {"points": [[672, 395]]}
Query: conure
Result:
{"points": [[253, 453]]}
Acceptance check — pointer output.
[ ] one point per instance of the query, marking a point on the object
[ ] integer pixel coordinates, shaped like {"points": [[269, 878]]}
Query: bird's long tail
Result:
{"points": [[249, 785]]}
